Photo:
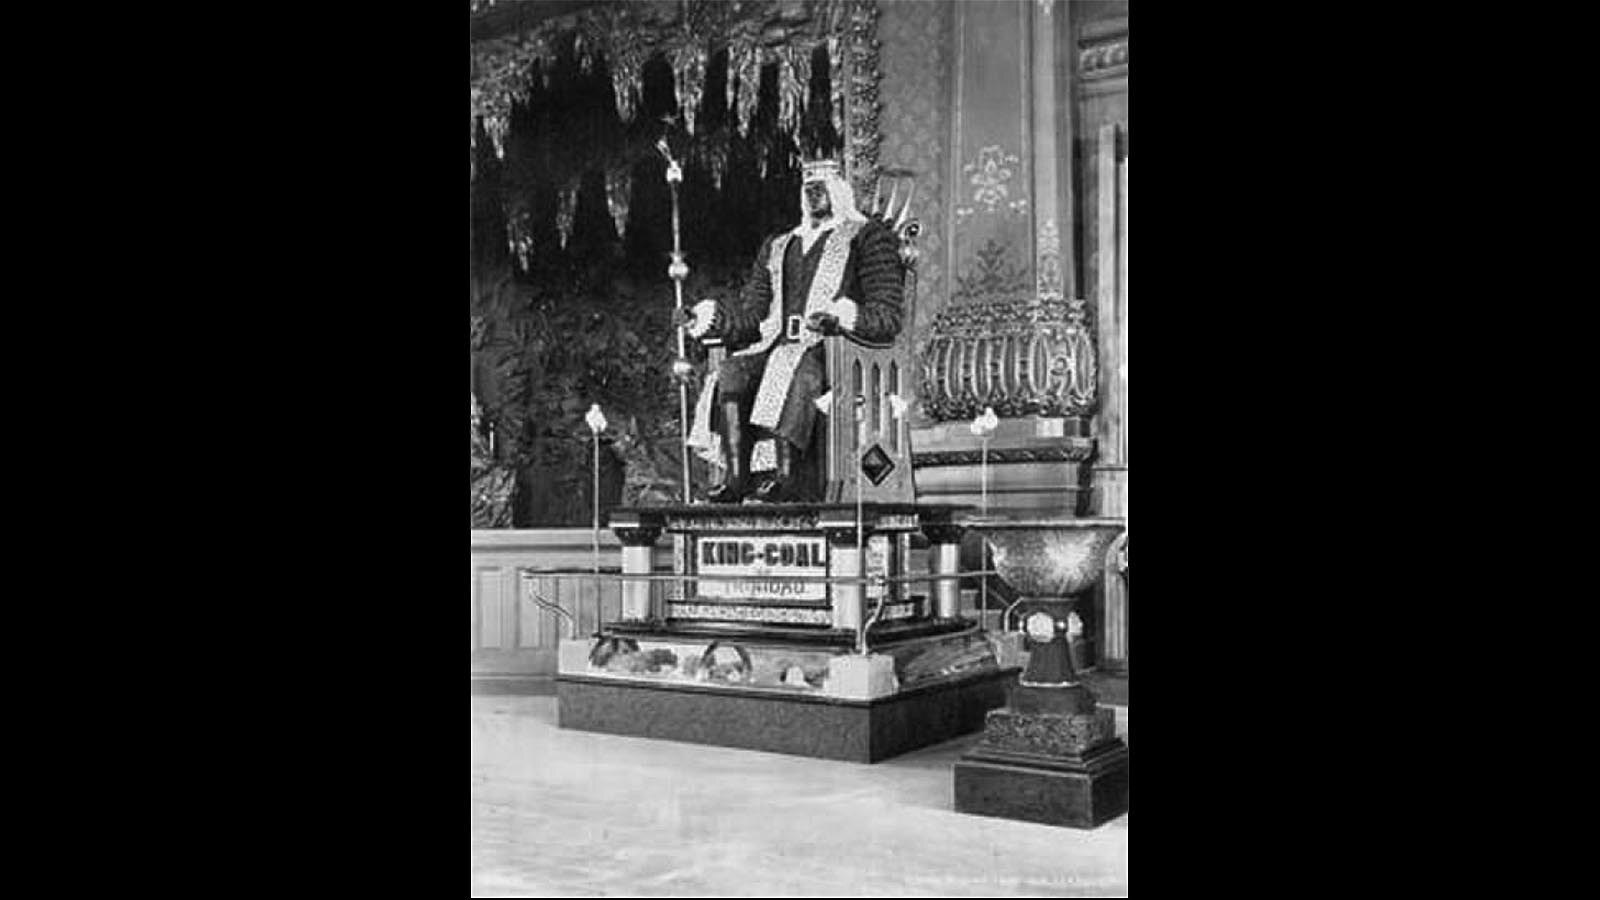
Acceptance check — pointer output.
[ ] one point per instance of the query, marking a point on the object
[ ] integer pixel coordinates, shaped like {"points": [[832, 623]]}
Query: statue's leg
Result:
{"points": [[730, 416], [792, 435]]}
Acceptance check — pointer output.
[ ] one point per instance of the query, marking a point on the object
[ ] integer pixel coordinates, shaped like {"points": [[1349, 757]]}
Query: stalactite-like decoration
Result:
{"points": [[749, 69], [625, 80], [627, 34], [566, 210], [717, 163], [619, 182], [836, 82], [626, 54], [795, 83], [585, 47], [496, 125], [519, 231], [788, 107], [689, 80], [731, 82], [755, 32]]}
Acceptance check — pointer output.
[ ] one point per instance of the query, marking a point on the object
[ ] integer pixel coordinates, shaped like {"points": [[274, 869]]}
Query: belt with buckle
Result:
{"points": [[792, 332]]}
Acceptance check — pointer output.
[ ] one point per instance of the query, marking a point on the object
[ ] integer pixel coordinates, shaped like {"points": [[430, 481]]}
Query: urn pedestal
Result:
{"points": [[1051, 755]]}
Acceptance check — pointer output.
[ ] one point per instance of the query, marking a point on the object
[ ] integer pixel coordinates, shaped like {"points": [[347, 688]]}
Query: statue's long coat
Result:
{"points": [[775, 379]]}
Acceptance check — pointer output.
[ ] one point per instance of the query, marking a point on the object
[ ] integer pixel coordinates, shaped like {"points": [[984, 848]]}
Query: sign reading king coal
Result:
{"points": [[755, 560]]}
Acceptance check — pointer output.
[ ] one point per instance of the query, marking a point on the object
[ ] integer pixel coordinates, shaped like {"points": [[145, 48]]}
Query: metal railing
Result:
{"points": [[866, 622]]}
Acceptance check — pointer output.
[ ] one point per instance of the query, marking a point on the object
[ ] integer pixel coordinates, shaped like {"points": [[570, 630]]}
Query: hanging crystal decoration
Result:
{"points": [[836, 82], [618, 182], [800, 63], [731, 81], [519, 234], [497, 125], [689, 78], [625, 56], [717, 162], [566, 209], [585, 51], [788, 105], [749, 87]]}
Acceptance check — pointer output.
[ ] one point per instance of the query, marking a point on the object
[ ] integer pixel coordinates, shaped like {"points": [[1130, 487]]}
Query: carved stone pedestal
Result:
{"points": [[1078, 791], [1045, 767]]}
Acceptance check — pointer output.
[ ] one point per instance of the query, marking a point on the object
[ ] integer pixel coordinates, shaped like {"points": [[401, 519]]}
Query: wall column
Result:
{"points": [[1102, 70]]}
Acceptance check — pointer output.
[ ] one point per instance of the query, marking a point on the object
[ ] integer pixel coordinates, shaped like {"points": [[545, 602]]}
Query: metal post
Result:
{"points": [[595, 532], [983, 544], [861, 558]]}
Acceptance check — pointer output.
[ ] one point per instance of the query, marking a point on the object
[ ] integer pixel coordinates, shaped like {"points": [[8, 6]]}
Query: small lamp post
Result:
{"points": [[982, 426], [597, 423]]}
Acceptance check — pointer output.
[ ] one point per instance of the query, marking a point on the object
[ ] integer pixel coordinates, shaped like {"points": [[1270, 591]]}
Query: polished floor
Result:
{"points": [[574, 814]]}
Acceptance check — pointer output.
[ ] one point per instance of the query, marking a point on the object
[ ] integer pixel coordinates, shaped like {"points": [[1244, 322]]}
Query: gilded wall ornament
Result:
{"points": [[990, 175], [1049, 259]]}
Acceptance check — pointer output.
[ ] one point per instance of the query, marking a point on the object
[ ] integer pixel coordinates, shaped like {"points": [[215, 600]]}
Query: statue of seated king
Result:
{"points": [[837, 272]]}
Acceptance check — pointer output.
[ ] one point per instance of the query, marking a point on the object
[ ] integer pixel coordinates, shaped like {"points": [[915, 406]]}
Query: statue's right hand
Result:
{"points": [[683, 317]]}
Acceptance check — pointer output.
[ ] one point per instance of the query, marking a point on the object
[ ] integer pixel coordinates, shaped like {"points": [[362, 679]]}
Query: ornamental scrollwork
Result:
{"points": [[1104, 59], [1074, 450], [1103, 50], [1033, 356]]}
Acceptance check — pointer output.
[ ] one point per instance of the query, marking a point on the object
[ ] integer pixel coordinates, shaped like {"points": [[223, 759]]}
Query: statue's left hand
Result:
{"points": [[824, 323]]}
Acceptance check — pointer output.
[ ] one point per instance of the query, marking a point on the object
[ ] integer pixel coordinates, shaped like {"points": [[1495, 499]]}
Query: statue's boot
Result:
{"points": [[779, 488], [735, 456]]}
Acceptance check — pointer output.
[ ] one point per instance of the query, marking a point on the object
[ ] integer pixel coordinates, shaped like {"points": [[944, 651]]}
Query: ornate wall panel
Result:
{"points": [[917, 60], [992, 170]]}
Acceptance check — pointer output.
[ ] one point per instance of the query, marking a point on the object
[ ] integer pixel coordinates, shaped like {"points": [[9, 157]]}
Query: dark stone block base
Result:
{"points": [[800, 725], [1075, 791]]}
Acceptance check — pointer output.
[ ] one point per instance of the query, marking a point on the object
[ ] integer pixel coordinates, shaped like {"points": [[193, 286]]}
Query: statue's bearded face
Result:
{"points": [[818, 204]]}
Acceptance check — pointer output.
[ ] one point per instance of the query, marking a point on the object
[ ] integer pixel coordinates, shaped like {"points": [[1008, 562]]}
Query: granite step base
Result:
{"points": [[1072, 791], [796, 724]]}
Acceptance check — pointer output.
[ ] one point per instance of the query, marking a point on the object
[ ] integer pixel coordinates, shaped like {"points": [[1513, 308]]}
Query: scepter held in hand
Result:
{"points": [[678, 271]]}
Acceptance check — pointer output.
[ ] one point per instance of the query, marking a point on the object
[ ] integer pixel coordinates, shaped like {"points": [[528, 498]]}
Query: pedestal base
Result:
{"points": [[1040, 767], [798, 724], [1081, 793]]}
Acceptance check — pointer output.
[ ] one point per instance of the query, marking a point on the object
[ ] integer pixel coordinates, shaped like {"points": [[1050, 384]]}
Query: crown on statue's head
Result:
{"points": [[814, 169]]}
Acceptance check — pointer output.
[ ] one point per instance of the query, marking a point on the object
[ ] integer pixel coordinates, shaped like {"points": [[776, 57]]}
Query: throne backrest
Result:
{"points": [[865, 376]]}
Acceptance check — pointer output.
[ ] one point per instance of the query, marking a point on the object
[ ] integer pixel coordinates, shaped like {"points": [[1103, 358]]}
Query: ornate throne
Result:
{"points": [[866, 425]]}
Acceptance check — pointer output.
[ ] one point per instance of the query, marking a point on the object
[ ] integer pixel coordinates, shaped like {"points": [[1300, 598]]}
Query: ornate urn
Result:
{"points": [[1050, 756], [1050, 562]]}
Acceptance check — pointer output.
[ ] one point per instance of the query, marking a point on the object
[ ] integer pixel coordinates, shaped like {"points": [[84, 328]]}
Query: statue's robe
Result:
{"points": [[852, 271]]}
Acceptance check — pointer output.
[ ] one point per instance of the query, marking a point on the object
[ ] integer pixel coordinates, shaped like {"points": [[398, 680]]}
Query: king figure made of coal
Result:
{"points": [[838, 271]]}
